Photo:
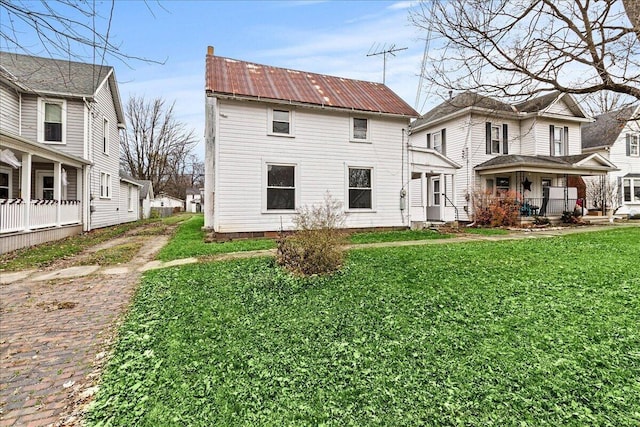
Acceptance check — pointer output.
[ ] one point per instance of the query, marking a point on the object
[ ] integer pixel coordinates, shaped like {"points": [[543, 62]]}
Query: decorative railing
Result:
{"points": [[42, 214], [547, 207]]}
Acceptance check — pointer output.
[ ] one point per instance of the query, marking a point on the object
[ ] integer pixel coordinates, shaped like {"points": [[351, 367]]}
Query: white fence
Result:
{"points": [[42, 214]]}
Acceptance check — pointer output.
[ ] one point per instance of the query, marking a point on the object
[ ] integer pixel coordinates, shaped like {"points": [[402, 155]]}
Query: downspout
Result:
{"points": [[88, 168]]}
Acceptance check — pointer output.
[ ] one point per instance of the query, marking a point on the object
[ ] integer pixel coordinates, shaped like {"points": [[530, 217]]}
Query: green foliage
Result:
{"points": [[501, 210], [114, 255], [396, 236], [539, 332], [189, 242]]}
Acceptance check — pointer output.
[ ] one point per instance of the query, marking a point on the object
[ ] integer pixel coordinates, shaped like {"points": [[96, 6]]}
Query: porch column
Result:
{"points": [[424, 190], [26, 188], [79, 193], [443, 196], [453, 194], [57, 189]]}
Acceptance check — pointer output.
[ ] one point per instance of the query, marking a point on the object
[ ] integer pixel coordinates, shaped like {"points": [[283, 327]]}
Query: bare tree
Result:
{"points": [[71, 29], [155, 145], [602, 193], [520, 48], [188, 174]]}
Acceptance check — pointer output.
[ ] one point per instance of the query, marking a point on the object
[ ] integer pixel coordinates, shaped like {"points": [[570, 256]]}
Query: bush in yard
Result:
{"points": [[500, 210], [316, 247]]}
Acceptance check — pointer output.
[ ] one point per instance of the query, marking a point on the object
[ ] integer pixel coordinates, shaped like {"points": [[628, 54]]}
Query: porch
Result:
{"points": [[41, 191]]}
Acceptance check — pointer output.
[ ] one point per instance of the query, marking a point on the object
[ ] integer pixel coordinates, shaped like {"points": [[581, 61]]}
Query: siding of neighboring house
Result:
{"points": [[9, 109], [106, 210], [321, 151], [129, 206]]}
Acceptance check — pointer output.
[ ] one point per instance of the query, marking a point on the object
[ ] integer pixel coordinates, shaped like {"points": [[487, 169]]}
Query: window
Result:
{"points": [[5, 183], [559, 138], [631, 190], [360, 129], [502, 184], [634, 145], [130, 194], [436, 139], [281, 122], [51, 121], [105, 136], [281, 189], [360, 188], [495, 139], [546, 182], [490, 185], [105, 185], [436, 192]]}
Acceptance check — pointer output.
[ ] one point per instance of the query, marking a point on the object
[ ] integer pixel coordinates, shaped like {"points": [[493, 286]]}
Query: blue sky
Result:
{"points": [[329, 37]]}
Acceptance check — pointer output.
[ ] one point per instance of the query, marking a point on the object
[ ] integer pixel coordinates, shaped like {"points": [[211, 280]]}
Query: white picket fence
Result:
{"points": [[42, 214]]}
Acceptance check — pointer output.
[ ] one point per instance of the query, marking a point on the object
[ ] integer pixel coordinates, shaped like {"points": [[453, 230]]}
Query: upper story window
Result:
{"points": [[52, 121], [559, 138], [497, 138], [280, 122], [633, 145], [359, 129], [437, 141], [105, 136], [281, 187]]}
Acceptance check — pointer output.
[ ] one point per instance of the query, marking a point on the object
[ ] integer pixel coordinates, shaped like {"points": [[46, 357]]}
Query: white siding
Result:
{"points": [[9, 109], [542, 135], [124, 214], [320, 149], [106, 211], [30, 117], [561, 108]]}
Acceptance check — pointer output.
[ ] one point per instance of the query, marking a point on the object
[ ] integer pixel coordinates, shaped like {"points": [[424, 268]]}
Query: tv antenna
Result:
{"points": [[377, 50]]}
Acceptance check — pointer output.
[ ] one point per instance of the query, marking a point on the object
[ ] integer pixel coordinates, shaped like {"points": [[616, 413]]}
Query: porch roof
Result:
{"points": [[580, 164], [18, 143]]}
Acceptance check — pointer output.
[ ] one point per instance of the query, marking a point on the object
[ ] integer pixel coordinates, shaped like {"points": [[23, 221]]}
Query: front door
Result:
{"points": [[434, 198]]}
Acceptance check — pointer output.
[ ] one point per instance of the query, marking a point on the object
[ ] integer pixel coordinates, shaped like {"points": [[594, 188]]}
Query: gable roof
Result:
{"points": [[245, 79], [460, 102], [578, 161], [607, 127], [56, 77]]}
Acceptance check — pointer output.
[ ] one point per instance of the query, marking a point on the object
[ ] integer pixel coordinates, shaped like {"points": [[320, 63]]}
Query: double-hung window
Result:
{"points": [[105, 185], [281, 187], [559, 137], [436, 141], [631, 190], [280, 122], [359, 129], [51, 121], [495, 139], [360, 188], [634, 145]]}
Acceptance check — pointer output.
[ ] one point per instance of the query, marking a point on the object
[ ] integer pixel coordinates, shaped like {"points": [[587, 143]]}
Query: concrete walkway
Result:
{"points": [[57, 326]]}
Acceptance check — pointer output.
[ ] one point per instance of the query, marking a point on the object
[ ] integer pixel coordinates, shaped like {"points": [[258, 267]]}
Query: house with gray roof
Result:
{"points": [[60, 151], [532, 148], [616, 136]]}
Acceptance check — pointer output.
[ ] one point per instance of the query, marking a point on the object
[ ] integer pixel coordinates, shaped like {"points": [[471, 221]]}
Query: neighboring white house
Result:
{"points": [[616, 136], [279, 139], [167, 201], [193, 200], [146, 195], [59, 169], [532, 148]]}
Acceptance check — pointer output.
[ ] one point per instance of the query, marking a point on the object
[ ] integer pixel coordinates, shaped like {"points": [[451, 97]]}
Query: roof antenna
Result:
{"points": [[384, 52]]}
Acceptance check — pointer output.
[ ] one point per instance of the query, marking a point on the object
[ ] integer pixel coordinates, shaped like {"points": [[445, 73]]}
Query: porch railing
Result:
{"points": [[547, 207], [42, 214]]}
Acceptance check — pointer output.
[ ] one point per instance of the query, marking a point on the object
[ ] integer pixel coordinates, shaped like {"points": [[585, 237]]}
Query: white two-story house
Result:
{"points": [[616, 136], [531, 148], [60, 151], [279, 139]]}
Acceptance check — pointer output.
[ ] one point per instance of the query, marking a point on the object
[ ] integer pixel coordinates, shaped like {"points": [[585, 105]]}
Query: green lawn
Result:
{"points": [[537, 332], [396, 236]]}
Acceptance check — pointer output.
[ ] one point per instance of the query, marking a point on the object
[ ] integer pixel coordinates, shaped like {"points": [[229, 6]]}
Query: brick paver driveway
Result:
{"points": [[53, 338]]}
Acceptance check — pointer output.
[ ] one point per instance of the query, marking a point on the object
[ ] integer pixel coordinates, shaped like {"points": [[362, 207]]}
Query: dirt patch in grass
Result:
{"points": [[56, 305], [114, 255]]}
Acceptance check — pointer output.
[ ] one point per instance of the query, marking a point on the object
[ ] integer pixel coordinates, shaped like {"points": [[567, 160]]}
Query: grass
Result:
{"points": [[396, 236], [484, 231], [189, 242], [114, 255], [537, 332]]}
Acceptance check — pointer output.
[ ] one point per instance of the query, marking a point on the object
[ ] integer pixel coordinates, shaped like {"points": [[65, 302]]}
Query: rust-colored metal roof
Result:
{"points": [[240, 78]]}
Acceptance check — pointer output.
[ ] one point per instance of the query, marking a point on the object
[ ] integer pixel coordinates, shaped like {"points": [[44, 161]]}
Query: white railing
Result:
{"points": [[42, 214], [11, 215]]}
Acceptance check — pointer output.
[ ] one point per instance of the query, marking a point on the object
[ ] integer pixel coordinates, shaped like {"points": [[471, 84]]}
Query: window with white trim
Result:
{"points": [[503, 184], [51, 124], [558, 141], [360, 188], [105, 185], [5, 183], [634, 145], [631, 190], [105, 136], [436, 141], [496, 141], [280, 122], [281, 187], [359, 129]]}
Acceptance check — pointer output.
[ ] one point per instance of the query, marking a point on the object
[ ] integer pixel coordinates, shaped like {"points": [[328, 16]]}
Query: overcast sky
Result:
{"points": [[327, 37]]}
